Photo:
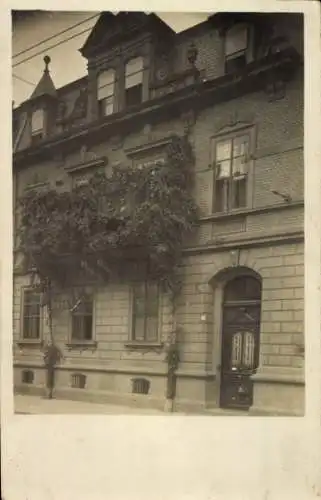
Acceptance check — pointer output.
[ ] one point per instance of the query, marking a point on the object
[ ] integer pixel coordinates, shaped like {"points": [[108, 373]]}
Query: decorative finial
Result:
{"points": [[47, 62]]}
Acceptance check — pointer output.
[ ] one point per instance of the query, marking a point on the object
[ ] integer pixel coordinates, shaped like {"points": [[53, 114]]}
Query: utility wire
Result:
{"points": [[51, 47], [23, 80], [54, 36]]}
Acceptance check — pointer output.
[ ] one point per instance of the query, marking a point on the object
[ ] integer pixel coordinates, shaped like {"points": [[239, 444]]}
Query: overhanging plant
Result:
{"points": [[93, 228]]}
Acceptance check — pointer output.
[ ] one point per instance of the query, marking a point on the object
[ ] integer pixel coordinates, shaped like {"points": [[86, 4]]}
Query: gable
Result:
{"points": [[111, 29]]}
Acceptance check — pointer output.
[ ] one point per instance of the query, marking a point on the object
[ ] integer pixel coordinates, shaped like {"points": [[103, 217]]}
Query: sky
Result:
{"points": [[67, 64]]}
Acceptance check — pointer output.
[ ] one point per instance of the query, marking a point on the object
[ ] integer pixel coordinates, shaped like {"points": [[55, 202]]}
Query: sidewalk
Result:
{"points": [[38, 405]]}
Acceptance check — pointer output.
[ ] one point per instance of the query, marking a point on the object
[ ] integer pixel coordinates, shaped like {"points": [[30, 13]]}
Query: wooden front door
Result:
{"points": [[240, 342]]}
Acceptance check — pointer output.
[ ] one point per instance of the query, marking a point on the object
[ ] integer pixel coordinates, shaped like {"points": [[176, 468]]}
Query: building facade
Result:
{"points": [[234, 86]]}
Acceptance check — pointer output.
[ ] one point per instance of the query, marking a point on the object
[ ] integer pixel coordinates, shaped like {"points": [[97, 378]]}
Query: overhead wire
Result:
{"points": [[23, 80], [51, 47], [45, 40]]}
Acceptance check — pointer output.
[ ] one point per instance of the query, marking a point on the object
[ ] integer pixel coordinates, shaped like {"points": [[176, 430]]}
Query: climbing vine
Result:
{"points": [[95, 226]]}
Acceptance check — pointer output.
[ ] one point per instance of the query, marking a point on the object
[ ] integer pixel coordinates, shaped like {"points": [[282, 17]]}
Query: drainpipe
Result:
{"points": [[172, 363]]}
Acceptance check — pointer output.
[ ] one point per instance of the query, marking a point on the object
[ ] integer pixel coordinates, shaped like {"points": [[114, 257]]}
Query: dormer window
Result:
{"points": [[134, 82], [236, 48], [106, 93], [37, 126]]}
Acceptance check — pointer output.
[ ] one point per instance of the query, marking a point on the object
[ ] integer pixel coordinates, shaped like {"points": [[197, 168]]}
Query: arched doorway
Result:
{"points": [[240, 340]]}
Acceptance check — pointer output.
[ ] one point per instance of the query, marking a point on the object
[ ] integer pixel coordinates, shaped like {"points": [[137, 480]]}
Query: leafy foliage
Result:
{"points": [[96, 226]]}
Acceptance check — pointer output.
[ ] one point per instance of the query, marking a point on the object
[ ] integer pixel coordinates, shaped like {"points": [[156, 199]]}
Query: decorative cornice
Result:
{"points": [[200, 95], [222, 243], [147, 147], [87, 159], [128, 370], [95, 163], [252, 211]]}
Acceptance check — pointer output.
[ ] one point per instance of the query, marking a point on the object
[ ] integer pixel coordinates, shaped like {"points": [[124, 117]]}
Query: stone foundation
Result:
{"points": [[193, 395]]}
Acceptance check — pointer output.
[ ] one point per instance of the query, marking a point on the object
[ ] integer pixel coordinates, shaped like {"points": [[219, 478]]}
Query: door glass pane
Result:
{"points": [[248, 350], [236, 350]]}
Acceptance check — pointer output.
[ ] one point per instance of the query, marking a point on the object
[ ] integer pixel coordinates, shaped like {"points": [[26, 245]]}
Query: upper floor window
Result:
{"points": [[106, 92], [134, 82], [231, 172], [236, 46], [82, 320], [145, 312], [37, 126], [31, 315]]}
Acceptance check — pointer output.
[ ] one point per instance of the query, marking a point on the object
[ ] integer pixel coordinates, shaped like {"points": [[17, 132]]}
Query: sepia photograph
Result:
{"points": [[158, 213]]}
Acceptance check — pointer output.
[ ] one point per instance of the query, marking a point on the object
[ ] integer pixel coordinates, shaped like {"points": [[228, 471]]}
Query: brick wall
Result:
{"points": [[278, 165], [282, 324]]}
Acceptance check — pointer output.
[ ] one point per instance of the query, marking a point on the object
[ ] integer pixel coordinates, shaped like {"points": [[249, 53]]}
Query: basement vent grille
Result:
{"points": [[78, 380], [140, 386], [27, 376]]}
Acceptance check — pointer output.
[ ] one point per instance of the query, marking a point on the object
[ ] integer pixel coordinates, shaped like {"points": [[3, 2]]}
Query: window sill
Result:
{"points": [[33, 342], [144, 345], [238, 212], [82, 344]]}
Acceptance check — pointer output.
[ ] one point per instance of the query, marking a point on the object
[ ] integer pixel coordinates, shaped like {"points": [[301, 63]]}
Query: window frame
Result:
{"points": [[79, 342], [141, 72], [113, 95], [144, 341], [22, 338], [247, 52], [37, 134], [231, 135]]}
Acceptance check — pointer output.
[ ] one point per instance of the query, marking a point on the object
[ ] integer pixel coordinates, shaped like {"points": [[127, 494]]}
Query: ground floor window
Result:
{"points": [[31, 315], [82, 319], [145, 312]]}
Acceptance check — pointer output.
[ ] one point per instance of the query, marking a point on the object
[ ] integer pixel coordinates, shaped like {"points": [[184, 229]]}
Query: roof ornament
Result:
{"points": [[47, 61]]}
